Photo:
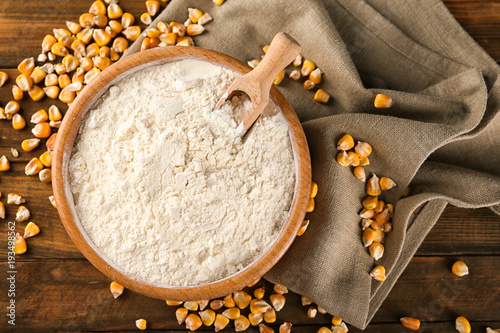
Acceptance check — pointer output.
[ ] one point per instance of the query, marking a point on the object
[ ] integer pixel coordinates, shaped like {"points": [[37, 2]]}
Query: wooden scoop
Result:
{"points": [[257, 83]]}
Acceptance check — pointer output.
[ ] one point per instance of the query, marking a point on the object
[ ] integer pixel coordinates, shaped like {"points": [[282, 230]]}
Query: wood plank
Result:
{"points": [[73, 295]]}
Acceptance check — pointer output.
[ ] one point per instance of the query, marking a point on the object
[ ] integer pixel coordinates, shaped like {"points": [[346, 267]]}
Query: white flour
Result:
{"points": [[166, 189]]}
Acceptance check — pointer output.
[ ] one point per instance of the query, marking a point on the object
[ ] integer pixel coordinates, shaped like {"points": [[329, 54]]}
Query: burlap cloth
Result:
{"points": [[441, 137]]}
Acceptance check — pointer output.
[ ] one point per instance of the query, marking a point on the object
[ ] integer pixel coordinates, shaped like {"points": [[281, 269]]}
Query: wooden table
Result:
{"points": [[57, 289]]}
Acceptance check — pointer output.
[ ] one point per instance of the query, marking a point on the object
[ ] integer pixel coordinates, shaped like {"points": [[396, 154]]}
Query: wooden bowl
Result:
{"points": [[66, 207]]}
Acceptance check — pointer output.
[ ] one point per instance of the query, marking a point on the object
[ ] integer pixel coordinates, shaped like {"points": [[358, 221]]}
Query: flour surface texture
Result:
{"points": [[164, 186]]}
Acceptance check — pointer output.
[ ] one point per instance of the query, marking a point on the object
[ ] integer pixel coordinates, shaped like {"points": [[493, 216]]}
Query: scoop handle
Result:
{"points": [[282, 51]]}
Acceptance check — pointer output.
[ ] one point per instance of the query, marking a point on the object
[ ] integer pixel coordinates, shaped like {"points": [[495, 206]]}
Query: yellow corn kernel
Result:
{"points": [[383, 101], [152, 32], [324, 330], [45, 176], [12, 108], [321, 310], [310, 205], [295, 75], [18, 122], [280, 289], [315, 76], [30, 230], [3, 78], [53, 201], [232, 313], [62, 35], [47, 43], [314, 190], [181, 315], [73, 27], [342, 158], [387, 227], [353, 158], [279, 78], [241, 324], [410, 323], [36, 93], [312, 312], [462, 325], [185, 41], [387, 183], [20, 244], [390, 207], [116, 289], [70, 41], [17, 93], [85, 35], [15, 199], [270, 316], [255, 319], [216, 304], [154, 42], [297, 61], [359, 172], [141, 324], [277, 301], [178, 28], [207, 317], [163, 27], [26, 66], [380, 207], [259, 292], [146, 18], [253, 63], [191, 305], [4, 163], [220, 322], [373, 187], [336, 321], [345, 143], [258, 306], [113, 55], [490, 330], [64, 81], [78, 46], [173, 303], [460, 268], [378, 273], [70, 62], [24, 82], [59, 49], [152, 7], [102, 62], [229, 301], [363, 149], [127, 20], [194, 14], [218, 2], [305, 300], [37, 75], [307, 67], [116, 26], [309, 85], [364, 161], [14, 153], [286, 327], [368, 237], [342, 328], [254, 283], [203, 304], [193, 322], [78, 75], [195, 30], [46, 159], [33, 167], [145, 44], [51, 92], [264, 328], [241, 299], [98, 8], [114, 11], [29, 144], [379, 236], [86, 20], [91, 75], [132, 32], [370, 202], [383, 217], [41, 130], [367, 213], [321, 96], [66, 96], [120, 45], [376, 250], [303, 227], [204, 19], [60, 69], [101, 37], [169, 38]]}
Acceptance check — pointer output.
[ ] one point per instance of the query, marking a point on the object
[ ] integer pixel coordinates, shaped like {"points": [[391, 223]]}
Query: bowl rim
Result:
{"points": [[64, 198]]}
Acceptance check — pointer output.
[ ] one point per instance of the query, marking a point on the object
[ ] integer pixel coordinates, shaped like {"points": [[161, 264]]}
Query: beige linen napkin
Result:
{"points": [[441, 136]]}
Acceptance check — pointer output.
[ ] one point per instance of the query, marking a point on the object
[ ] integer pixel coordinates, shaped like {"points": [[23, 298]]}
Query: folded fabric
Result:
{"points": [[441, 136]]}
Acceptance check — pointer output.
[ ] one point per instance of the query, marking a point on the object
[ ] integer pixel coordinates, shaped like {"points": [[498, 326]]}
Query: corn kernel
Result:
{"points": [[114, 11], [324, 330], [253, 63], [231, 313], [18, 122], [259, 292], [29, 144], [366, 223], [207, 317], [47, 43], [141, 324], [295, 75], [353, 159], [42, 57], [303, 227], [2, 210], [342, 158], [462, 325], [73, 27], [146, 18], [59, 49], [193, 322], [3, 78], [116, 26], [173, 303], [17, 93], [41, 130], [152, 6], [390, 207], [315, 76], [406, 192], [218, 2], [51, 56], [98, 8], [254, 283], [132, 32], [33, 167], [3, 115], [120, 45], [178, 28], [383, 217], [12, 108], [91, 75], [60, 69], [241, 299], [229, 301], [321, 96], [345, 143], [78, 75], [191, 305], [15, 199], [26, 66], [279, 78], [277, 301], [24, 82], [380, 207], [51, 92], [297, 61], [373, 186], [258, 306], [336, 321], [387, 183], [280, 289], [70, 62], [66, 96], [359, 172], [37, 75], [255, 319], [410, 323], [270, 316], [342, 328], [308, 85], [363, 149], [127, 20], [62, 35], [312, 312], [36, 93], [305, 300], [53, 201], [204, 19], [22, 214], [4, 163], [286, 327], [241, 324], [101, 37], [370, 202], [115, 56], [379, 236], [216, 304], [220, 322], [310, 205], [368, 237], [195, 30], [185, 41], [460, 268], [376, 250], [46, 159], [19, 244], [145, 44], [181, 315], [378, 273], [86, 34], [307, 67], [264, 328], [490, 330], [14, 153], [194, 14], [102, 62], [116, 289], [383, 101]]}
